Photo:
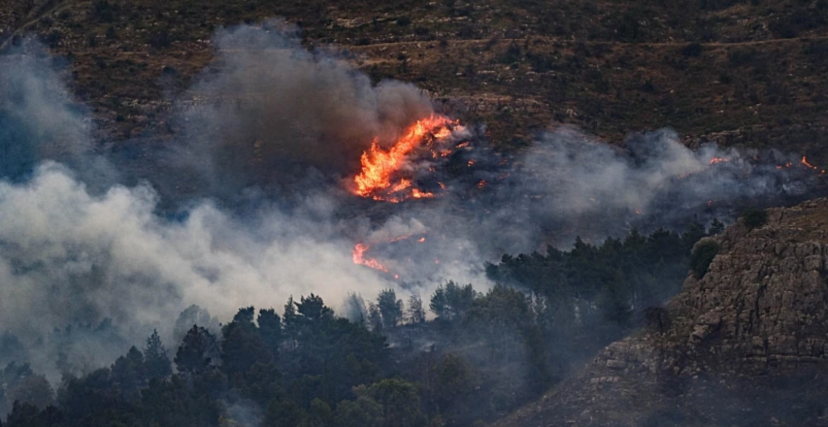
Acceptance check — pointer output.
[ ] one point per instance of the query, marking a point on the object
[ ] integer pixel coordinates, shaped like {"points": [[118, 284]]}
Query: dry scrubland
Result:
{"points": [[750, 72]]}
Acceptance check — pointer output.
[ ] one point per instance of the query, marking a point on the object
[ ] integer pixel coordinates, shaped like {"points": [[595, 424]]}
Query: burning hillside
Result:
{"points": [[388, 175], [564, 187]]}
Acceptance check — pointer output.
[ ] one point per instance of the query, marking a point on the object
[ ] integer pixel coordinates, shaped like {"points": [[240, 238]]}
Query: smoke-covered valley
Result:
{"points": [[252, 202]]}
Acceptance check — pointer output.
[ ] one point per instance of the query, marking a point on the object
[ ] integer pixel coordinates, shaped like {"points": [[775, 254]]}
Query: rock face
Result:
{"points": [[747, 343], [762, 307]]}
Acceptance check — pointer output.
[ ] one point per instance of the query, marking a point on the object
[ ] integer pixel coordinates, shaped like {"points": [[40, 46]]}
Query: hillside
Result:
{"points": [[750, 73], [743, 345]]}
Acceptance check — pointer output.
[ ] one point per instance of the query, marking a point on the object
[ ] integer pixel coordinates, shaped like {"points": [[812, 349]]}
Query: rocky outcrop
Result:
{"points": [[762, 307], [747, 342]]}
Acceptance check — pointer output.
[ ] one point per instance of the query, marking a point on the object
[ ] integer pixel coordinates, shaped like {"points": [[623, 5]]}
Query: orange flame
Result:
{"points": [[808, 165], [380, 167], [417, 194], [358, 256]]}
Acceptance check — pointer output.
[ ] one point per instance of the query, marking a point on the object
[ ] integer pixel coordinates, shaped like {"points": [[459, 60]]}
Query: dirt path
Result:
{"points": [[471, 42]]}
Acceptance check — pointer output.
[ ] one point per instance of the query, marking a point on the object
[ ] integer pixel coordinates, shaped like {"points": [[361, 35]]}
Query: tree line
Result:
{"points": [[476, 357]]}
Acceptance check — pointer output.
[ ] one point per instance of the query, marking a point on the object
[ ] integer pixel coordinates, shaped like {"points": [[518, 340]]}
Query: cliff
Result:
{"points": [[744, 344]]}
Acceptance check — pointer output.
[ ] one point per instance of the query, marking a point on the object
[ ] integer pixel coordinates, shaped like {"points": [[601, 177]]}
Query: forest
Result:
{"points": [[463, 357]]}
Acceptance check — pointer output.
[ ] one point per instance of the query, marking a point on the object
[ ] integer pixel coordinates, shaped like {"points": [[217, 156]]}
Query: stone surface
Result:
{"points": [[747, 345]]}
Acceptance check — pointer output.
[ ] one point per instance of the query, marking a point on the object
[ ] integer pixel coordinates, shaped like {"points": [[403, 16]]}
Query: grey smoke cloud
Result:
{"points": [[39, 120], [271, 113], [568, 185]]}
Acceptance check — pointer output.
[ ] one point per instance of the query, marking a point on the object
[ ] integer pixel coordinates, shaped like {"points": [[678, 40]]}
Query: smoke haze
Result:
{"points": [[259, 175]]}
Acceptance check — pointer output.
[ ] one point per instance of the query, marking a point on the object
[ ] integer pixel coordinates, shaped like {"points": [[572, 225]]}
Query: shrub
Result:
{"points": [[701, 257], [159, 39], [754, 218], [739, 57], [692, 50], [513, 54], [658, 318]]}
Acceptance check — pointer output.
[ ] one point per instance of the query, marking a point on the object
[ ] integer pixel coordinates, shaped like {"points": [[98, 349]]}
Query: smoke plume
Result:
{"points": [[272, 114]]}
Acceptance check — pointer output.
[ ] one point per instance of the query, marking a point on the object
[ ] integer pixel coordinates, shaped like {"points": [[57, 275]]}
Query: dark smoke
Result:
{"points": [[272, 114]]}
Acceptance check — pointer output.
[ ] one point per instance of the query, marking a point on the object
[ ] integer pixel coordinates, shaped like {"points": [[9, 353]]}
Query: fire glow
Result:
{"points": [[360, 253], [379, 178], [715, 160], [360, 259]]}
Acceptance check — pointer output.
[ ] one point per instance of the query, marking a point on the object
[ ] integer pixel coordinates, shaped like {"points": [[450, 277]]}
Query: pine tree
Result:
{"points": [[129, 371], [416, 312], [197, 351], [156, 361], [391, 308], [270, 329]]}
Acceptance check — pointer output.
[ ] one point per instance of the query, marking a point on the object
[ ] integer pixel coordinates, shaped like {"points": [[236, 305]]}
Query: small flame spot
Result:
{"points": [[358, 256]]}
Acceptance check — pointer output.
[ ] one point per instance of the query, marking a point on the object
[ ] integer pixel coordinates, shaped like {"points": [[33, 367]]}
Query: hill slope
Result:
{"points": [[735, 72]]}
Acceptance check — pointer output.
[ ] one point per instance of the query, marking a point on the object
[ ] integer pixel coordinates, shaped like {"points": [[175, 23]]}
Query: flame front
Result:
{"points": [[380, 168]]}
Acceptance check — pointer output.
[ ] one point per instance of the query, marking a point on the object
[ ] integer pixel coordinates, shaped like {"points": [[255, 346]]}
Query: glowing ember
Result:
{"points": [[715, 160], [399, 239], [808, 165], [378, 178], [359, 258], [421, 240], [481, 184], [785, 166], [417, 194]]}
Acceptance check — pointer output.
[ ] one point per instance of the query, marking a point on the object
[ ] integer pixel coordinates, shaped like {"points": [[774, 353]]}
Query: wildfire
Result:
{"points": [[359, 258], [380, 168]]}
